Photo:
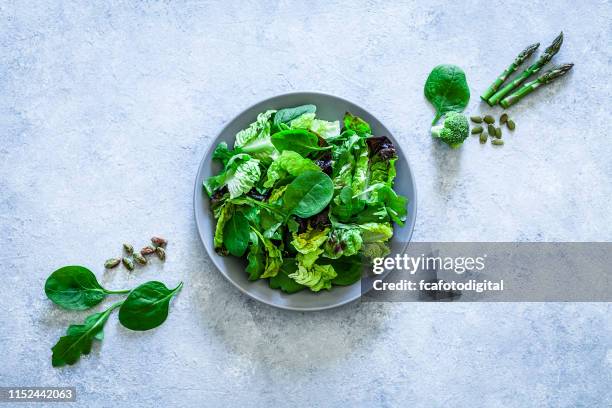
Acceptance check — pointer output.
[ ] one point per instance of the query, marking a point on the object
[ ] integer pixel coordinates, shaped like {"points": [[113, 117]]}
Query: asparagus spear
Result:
{"points": [[526, 53], [529, 87], [533, 69]]}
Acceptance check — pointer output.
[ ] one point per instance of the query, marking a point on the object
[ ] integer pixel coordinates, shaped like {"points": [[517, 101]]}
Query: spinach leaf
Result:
{"points": [[146, 307], [236, 234], [300, 141], [75, 288], [282, 280], [447, 90], [288, 114], [79, 338], [356, 124], [256, 258], [308, 194], [349, 269]]}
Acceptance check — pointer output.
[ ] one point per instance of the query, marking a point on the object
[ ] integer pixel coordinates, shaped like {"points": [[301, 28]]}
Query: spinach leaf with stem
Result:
{"points": [[447, 90], [300, 141], [76, 288], [146, 307], [79, 338], [282, 280]]}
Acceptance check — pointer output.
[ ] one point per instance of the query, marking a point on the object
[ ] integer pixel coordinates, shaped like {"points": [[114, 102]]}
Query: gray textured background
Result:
{"points": [[106, 110]]}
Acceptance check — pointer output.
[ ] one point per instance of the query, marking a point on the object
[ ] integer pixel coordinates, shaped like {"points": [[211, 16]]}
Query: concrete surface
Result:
{"points": [[107, 108]]}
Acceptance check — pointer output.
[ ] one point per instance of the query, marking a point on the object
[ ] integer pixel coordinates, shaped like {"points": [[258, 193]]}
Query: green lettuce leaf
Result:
{"points": [[289, 163], [225, 213], [345, 241], [274, 257], [316, 278], [310, 240], [323, 128], [239, 175], [356, 124], [255, 140], [256, 258], [376, 232]]}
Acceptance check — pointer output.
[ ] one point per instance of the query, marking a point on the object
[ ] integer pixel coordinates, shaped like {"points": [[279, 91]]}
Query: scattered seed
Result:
{"points": [[511, 125], [483, 138], [498, 133], [497, 142], [476, 130], [491, 130], [128, 249], [476, 119], [158, 241], [148, 250], [112, 262], [161, 254], [503, 118], [128, 263], [139, 258], [489, 119]]}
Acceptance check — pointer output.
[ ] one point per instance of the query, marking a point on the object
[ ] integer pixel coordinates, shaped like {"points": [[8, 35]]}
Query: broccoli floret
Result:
{"points": [[453, 131]]}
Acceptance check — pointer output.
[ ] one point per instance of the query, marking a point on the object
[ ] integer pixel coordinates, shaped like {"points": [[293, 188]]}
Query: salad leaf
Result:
{"points": [[79, 338], [301, 141], [373, 250], [146, 307], [288, 114], [356, 124], [76, 288], [447, 90], [348, 268], [316, 278], [343, 241], [239, 175], [274, 257], [255, 140], [256, 258], [282, 280], [308, 194], [310, 240], [395, 205], [322, 128], [236, 234], [376, 232], [289, 163], [225, 213]]}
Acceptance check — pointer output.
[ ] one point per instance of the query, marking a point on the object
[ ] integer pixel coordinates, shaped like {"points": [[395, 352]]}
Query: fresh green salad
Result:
{"points": [[306, 201]]}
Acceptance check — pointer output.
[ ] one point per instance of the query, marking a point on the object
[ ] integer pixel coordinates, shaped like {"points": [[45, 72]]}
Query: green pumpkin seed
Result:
{"points": [[111, 263], [483, 138], [498, 133], [477, 129], [139, 258], [503, 118], [497, 142], [128, 249], [491, 130], [128, 263], [489, 119], [476, 119], [161, 254], [511, 125]]}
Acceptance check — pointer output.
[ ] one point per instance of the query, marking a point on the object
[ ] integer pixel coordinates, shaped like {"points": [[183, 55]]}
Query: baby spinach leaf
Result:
{"points": [[236, 234], [288, 114], [308, 194], [282, 280], [356, 124], [146, 307], [447, 89], [76, 288], [300, 141], [349, 269], [79, 338]]}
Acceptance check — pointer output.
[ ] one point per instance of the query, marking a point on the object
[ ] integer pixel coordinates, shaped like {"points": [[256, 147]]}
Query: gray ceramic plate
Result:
{"points": [[329, 107]]}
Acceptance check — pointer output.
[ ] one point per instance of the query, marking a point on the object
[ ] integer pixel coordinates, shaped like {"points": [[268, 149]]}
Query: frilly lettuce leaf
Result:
{"points": [[274, 257], [343, 242], [225, 213], [255, 140], [394, 204], [239, 175], [356, 124], [316, 278], [310, 240], [323, 128], [376, 232], [288, 163]]}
